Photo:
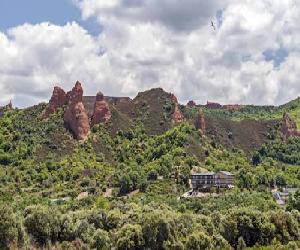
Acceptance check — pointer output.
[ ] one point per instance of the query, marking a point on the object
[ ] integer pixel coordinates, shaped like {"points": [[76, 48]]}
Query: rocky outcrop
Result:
{"points": [[58, 99], [213, 105], [77, 120], [102, 112], [200, 122], [177, 116], [6, 108], [191, 104], [9, 106], [75, 116], [289, 127], [75, 95]]}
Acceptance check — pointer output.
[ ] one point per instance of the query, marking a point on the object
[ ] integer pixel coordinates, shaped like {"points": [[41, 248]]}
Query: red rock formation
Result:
{"points": [[75, 95], [58, 99], [200, 121], [77, 120], [191, 104], [174, 98], [75, 116], [9, 106], [177, 116], [289, 127], [213, 105], [102, 112]]}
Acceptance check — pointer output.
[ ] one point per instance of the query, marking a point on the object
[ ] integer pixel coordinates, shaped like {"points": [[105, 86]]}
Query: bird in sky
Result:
{"points": [[212, 25]]}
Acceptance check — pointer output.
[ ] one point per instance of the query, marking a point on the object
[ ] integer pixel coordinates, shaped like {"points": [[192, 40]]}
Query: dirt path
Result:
{"points": [[108, 193]]}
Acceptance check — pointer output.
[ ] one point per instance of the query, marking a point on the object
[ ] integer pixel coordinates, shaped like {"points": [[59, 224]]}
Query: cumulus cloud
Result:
{"points": [[170, 43], [166, 43], [36, 57], [175, 14]]}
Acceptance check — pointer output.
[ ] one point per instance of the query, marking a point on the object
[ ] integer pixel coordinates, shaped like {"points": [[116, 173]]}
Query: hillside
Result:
{"points": [[293, 108], [109, 174]]}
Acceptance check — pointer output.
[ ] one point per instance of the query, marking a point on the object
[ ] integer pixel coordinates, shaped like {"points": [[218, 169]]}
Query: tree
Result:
{"points": [[255, 227], [152, 175], [42, 223], [256, 159], [294, 201], [126, 184], [11, 231], [101, 240], [246, 179], [199, 241], [157, 230], [129, 237]]}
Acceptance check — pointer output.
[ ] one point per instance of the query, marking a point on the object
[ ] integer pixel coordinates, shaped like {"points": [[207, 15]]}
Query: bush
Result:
{"points": [[101, 240], [199, 241], [11, 230], [129, 237], [42, 223]]}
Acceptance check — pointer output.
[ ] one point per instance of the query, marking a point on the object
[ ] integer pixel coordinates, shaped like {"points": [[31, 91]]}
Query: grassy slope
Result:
{"points": [[246, 128], [251, 112], [154, 108]]}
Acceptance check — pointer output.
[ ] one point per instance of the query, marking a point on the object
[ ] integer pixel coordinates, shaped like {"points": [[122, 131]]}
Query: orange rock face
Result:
{"points": [[289, 127], [102, 112], [177, 116], [9, 106], [75, 116], [75, 95], [58, 99], [200, 121], [77, 120]]}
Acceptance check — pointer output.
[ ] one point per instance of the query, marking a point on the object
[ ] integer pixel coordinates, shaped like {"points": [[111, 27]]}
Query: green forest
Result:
{"points": [[122, 187]]}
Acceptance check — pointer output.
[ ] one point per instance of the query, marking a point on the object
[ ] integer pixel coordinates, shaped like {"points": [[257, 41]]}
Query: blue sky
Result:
{"points": [[59, 12]]}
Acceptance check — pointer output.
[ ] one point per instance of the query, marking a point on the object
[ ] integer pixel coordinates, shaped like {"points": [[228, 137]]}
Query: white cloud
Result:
{"points": [[176, 14], [167, 43], [35, 57]]}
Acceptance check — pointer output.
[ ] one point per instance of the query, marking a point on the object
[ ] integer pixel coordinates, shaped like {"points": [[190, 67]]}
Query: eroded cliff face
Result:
{"points": [[200, 122], [6, 108], [75, 95], [101, 112], [77, 120], [58, 99], [177, 116], [9, 106], [75, 116], [289, 127]]}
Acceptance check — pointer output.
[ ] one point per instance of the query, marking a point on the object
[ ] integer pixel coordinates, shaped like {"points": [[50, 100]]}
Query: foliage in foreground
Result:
{"points": [[155, 226]]}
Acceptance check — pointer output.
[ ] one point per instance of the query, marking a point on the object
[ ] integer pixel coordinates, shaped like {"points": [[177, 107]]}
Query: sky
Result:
{"points": [[122, 47]]}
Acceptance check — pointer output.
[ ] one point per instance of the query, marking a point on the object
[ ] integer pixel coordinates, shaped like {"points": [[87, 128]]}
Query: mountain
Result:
{"points": [[101, 172]]}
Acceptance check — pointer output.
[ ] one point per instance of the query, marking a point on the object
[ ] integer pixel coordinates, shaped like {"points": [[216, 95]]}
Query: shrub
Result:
{"points": [[11, 230], [42, 223]]}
